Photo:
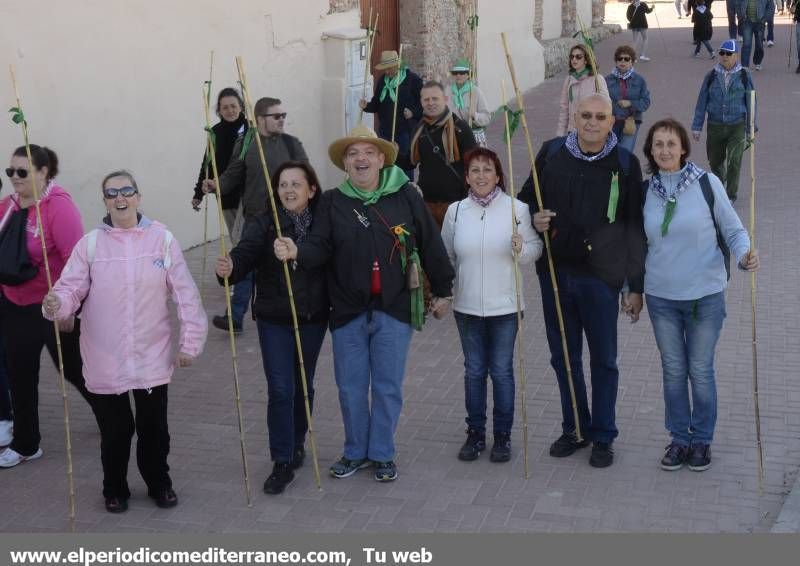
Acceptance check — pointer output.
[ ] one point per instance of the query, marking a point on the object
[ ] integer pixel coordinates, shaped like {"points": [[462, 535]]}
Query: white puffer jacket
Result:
{"points": [[478, 242]]}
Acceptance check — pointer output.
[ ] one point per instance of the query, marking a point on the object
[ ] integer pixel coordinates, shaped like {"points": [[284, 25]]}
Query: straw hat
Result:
{"points": [[388, 60], [361, 133]]}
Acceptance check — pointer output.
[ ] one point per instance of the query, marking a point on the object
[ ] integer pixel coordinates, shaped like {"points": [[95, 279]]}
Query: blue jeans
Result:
{"points": [[686, 334], [488, 344], [286, 412], [589, 306], [628, 142], [731, 7], [240, 301], [771, 26], [369, 359], [752, 32]]}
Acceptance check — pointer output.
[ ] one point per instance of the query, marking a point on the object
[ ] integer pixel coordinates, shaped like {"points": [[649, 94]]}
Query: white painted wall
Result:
{"points": [[117, 83], [584, 10], [525, 49], [551, 18]]}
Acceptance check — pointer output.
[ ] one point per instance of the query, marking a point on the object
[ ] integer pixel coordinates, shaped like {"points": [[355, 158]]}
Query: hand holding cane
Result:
{"points": [[287, 276], [546, 235], [18, 117], [224, 253]]}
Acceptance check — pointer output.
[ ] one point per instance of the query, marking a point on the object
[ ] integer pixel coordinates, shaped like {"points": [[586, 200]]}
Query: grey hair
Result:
{"points": [[599, 96]]}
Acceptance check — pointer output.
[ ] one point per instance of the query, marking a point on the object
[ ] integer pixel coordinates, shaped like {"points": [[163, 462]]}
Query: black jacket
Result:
{"points": [[341, 241], [226, 134], [637, 15], [255, 251], [582, 239], [408, 97], [703, 28], [439, 180]]}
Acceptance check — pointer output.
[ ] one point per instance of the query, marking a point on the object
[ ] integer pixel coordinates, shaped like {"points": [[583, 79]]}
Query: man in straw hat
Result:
{"points": [[409, 109], [592, 195], [468, 101], [375, 234]]}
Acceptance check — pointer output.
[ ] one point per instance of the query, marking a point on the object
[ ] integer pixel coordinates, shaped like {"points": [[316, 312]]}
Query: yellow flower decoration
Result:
{"points": [[399, 230]]}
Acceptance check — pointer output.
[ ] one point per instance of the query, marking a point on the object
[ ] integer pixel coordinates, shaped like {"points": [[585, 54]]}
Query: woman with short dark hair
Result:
{"points": [[691, 228], [629, 96]]}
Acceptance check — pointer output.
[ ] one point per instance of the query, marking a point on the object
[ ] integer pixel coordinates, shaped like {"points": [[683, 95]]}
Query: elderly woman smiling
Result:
{"points": [[373, 231], [121, 275]]}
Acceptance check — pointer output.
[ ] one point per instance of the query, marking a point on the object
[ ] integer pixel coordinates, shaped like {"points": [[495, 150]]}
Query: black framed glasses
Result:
{"points": [[623, 58], [124, 191], [725, 54], [600, 117], [21, 173], [276, 115], [577, 56], [459, 72]]}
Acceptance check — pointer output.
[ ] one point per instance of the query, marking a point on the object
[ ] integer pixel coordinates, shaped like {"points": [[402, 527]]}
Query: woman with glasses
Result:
{"points": [[24, 284], [120, 275], [468, 101], [629, 95], [581, 81]]}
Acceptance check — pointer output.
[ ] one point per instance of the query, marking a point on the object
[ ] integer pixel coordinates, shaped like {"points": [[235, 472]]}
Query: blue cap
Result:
{"points": [[729, 45]]}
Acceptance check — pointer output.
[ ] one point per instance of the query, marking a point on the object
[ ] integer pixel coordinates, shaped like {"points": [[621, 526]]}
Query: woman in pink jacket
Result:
{"points": [[580, 82], [120, 276], [25, 331]]}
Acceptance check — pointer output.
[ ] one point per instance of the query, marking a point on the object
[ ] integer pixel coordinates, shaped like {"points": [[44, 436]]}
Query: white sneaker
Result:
{"points": [[758, 67], [644, 58], [10, 458], [770, 43], [6, 432]]}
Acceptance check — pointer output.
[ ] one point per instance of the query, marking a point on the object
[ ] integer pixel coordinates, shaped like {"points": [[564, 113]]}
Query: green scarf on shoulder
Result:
{"points": [[459, 92], [390, 84], [391, 180]]}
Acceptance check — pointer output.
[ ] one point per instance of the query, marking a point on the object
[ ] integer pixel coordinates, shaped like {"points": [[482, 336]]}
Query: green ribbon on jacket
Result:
{"points": [[613, 197]]}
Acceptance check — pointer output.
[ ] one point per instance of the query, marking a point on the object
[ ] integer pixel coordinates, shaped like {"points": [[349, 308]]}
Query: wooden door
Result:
{"points": [[388, 34]]}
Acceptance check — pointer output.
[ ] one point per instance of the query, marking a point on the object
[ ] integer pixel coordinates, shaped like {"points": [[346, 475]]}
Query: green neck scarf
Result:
{"points": [[390, 84], [390, 181], [459, 92], [578, 75]]}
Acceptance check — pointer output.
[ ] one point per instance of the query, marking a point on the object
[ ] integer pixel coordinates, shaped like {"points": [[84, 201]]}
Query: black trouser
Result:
{"points": [[116, 431], [5, 394], [25, 332]]}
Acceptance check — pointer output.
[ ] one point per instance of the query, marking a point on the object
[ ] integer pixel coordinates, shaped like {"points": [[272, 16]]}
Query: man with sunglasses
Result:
{"points": [[245, 170], [725, 98], [591, 192], [468, 101]]}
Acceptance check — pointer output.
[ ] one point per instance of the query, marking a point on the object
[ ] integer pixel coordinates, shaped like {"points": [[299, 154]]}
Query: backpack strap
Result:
{"points": [[708, 195], [289, 142]]}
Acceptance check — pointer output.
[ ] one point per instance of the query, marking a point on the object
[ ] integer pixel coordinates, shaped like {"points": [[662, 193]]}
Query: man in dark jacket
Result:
{"points": [[245, 169], [383, 104], [592, 196], [438, 146]]}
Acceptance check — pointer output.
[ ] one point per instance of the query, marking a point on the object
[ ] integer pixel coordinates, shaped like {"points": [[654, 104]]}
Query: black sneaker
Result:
{"points": [[385, 471], [501, 450], [298, 456], [798, 68], [674, 457], [475, 444], [165, 498], [221, 322], [344, 467], [281, 476], [699, 457], [566, 445], [602, 455], [116, 504]]}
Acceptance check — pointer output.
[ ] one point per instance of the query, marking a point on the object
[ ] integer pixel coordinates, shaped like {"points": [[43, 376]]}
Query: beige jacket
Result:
{"points": [[580, 88]]}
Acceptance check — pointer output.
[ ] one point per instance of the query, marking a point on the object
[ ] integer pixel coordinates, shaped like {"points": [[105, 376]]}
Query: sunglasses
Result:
{"points": [[578, 56], [276, 115], [124, 191], [623, 58], [725, 54], [600, 117], [459, 73], [21, 173]]}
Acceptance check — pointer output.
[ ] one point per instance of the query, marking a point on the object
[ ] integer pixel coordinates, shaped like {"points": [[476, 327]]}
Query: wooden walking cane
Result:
{"points": [[397, 90], [19, 118], [546, 234], [286, 274], [518, 284], [224, 253], [752, 134], [590, 50], [371, 28], [205, 200], [472, 22]]}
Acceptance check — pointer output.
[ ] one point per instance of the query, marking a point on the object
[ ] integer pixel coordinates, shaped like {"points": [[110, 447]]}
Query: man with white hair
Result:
{"points": [[592, 208]]}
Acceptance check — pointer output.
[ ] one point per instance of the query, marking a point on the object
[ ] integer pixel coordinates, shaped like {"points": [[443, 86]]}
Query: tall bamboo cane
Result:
{"points": [[371, 28], [397, 90], [40, 225], [287, 276], [550, 264], [518, 285], [473, 67], [224, 253], [660, 31], [205, 200], [590, 50], [752, 134]]}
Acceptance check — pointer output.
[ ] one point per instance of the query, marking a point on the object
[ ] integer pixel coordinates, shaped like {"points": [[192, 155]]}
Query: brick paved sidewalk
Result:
{"points": [[435, 491]]}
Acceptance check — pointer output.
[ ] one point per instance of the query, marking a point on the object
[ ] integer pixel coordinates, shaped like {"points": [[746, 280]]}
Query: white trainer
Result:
{"points": [[644, 58], [10, 458], [6, 432]]}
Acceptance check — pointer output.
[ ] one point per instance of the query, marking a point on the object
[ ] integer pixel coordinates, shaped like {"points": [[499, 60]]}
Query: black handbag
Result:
{"points": [[15, 263]]}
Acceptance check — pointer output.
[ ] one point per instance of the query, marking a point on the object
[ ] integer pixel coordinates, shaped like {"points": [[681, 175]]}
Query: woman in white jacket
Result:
{"points": [[478, 235]]}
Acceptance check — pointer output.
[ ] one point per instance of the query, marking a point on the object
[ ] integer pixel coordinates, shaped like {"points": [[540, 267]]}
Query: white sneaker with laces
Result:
{"points": [[770, 43], [644, 58], [10, 458], [758, 67], [6, 432]]}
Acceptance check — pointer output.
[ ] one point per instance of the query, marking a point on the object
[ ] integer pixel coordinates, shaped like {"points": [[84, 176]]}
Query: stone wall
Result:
{"points": [[342, 5], [429, 31]]}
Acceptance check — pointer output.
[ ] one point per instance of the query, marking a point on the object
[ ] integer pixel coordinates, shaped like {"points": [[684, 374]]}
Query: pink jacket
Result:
{"points": [[62, 230], [126, 336], [580, 88]]}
